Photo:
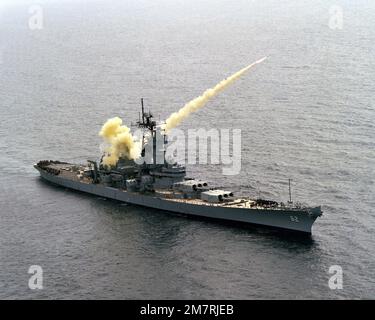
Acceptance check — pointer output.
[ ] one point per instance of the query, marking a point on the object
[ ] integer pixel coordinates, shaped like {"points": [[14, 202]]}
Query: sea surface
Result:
{"points": [[307, 113]]}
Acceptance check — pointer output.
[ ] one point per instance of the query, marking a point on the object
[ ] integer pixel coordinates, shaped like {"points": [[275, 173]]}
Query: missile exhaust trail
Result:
{"points": [[194, 105]]}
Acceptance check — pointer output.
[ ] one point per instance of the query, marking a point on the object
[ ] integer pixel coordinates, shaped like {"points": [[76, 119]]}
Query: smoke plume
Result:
{"points": [[121, 142], [177, 117]]}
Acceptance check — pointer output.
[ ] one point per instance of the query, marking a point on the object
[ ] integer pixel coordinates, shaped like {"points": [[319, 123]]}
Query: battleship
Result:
{"points": [[166, 187]]}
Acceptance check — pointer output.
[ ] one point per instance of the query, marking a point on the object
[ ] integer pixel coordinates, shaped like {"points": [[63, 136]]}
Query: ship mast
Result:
{"points": [[290, 192], [149, 124]]}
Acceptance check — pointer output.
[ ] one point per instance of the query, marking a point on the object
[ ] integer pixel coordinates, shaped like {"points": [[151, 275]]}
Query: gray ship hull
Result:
{"points": [[293, 220]]}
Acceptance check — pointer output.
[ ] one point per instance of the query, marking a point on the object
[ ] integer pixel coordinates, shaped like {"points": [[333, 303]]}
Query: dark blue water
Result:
{"points": [[307, 113]]}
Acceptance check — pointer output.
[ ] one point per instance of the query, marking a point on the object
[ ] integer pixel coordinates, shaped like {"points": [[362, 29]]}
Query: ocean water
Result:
{"points": [[307, 113]]}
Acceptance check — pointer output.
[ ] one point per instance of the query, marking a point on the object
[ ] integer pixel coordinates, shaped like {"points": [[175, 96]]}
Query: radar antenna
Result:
{"points": [[146, 121]]}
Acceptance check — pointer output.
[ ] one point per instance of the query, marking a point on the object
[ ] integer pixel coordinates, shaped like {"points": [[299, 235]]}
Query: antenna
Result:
{"points": [[143, 111], [290, 192]]}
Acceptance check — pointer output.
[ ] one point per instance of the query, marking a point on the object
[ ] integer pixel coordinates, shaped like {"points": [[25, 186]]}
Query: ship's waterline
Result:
{"points": [[292, 220]]}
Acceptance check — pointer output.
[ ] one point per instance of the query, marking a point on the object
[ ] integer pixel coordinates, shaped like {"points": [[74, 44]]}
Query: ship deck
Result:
{"points": [[75, 173], [176, 197]]}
